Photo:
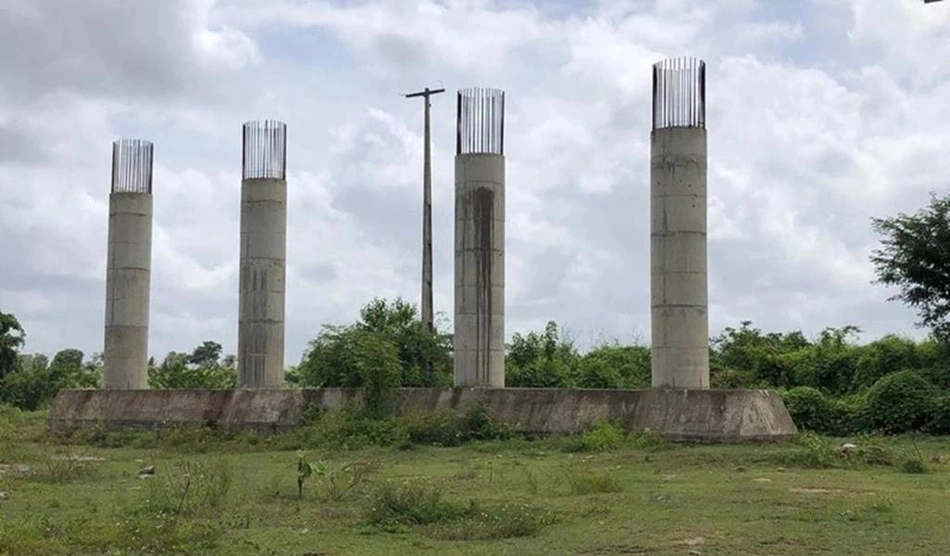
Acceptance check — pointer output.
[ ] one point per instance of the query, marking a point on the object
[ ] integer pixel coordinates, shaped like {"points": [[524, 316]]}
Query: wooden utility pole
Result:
{"points": [[427, 318]]}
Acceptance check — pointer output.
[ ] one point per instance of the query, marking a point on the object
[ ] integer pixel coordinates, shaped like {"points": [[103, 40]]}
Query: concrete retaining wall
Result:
{"points": [[688, 415]]}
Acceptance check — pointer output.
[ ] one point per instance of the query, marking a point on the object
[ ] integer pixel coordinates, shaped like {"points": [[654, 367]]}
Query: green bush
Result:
{"points": [[939, 422], [334, 357], [816, 452], [36, 380], [505, 522], [201, 369], [395, 507], [413, 503], [603, 437], [899, 402], [813, 411], [593, 483], [615, 366], [541, 360], [377, 363]]}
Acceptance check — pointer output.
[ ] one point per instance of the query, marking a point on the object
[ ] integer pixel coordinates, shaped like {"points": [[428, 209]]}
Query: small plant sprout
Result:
{"points": [[304, 470]]}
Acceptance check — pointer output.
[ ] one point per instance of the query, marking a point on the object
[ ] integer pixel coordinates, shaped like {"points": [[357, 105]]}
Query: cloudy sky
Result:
{"points": [[821, 114]]}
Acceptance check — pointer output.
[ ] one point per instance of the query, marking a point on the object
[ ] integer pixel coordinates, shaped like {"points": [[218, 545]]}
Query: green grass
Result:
{"points": [[237, 494]]}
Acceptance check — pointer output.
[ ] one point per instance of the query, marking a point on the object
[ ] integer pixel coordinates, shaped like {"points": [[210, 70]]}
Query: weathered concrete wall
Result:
{"points": [[678, 286], [686, 415], [479, 339], [128, 270], [262, 279]]}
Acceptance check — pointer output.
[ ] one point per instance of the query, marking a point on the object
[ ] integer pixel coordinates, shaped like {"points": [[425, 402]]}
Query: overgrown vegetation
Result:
{"points": [[831, 384], [209, 491], [400, 506], [202, 368]]}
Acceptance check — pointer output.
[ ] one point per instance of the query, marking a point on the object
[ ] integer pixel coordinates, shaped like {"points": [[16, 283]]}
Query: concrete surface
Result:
{"points": [[678, 286], [681, 415], [128, 270], [479, 335], [260, 362]]}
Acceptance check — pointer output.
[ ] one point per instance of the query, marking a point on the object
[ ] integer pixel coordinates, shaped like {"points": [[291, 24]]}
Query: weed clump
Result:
{"points": [[399, 507], [914, 466], [505, 522], [587, 483], [188, 488], [413, 503], [605, 436], [818, 453]]}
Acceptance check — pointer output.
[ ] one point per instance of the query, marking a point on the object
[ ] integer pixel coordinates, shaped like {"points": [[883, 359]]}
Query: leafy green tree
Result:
{"points": [[615, 366], [744, 357], [11, 340], [379, 367], [208, 353], [334, 357], [37, 379], [202, 368], [914, 257], [542, 360]]}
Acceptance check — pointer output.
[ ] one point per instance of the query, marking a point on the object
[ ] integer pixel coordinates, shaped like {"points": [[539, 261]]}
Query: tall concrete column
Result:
{"points": [[128, 266], [263, 255], [678, 284], [479, 340]]}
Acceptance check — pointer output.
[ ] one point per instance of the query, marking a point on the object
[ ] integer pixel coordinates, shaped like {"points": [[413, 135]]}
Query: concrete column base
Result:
{"points": [[679, 415]]}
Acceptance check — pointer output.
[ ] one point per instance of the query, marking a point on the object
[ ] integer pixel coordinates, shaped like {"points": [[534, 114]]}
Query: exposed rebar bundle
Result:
{"points": [[265, 149], [679, 93], [480, 121], [131, 166]]}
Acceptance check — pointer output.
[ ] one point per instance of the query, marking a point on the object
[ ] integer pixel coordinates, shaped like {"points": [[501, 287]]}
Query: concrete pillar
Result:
{"points": [[263, 256], [128, 266], [678, 284], [479, 340]]}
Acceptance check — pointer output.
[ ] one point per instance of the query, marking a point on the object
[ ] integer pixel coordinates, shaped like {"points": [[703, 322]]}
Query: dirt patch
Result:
{"points": [[814, 490], [15, 469], [695, 545], [630, 549]]}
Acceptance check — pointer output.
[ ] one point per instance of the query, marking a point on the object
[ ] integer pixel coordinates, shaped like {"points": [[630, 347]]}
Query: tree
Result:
{"points": [[203, 368], [336, 355], [915, 257], [37, 380], [207, 353], [542, 360], [11, 340]]}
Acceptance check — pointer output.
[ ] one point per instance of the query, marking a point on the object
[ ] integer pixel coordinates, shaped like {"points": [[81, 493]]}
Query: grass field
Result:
{"points": [[594, 494]]}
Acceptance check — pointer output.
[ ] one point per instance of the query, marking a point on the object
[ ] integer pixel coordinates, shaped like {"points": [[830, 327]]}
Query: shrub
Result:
{"points": [[506, 522], [589, 483], [413, 503], [378, 367], [882, 357], [333, 358], [189, 487], [899, 402], [615, 366], [603, 437], [816, 452], [450, 428], [939, 422], [811, 410], [913, 465], [541, 360]]}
